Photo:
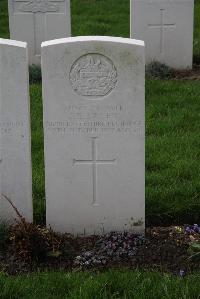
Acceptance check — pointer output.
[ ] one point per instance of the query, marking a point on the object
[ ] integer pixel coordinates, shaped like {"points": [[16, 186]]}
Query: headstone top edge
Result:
{"points": [[14, 43], [121, 40]]}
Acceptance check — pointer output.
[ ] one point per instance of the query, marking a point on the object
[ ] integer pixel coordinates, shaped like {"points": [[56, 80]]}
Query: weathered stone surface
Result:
{"points": [[166, 26], [15, 148], [35, 21], [93, 91]]}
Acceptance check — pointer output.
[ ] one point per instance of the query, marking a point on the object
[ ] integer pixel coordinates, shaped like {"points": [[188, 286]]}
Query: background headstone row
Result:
{"points": [[166, 26]]}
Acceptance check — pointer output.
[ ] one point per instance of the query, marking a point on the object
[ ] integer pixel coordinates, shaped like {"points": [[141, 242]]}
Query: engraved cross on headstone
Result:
{"points": [[162, 26], [39, 9], [94, 162]]}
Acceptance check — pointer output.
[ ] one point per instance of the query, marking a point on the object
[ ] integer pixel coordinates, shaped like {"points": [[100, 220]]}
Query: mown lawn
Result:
{"points": [[172, 123], [121, 284]]}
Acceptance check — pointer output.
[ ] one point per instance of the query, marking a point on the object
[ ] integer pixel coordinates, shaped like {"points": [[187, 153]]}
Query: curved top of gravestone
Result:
{"points": [[93, 38], [14, 43]]}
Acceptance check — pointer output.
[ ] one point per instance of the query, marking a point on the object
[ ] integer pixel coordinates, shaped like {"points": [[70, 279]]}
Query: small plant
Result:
{"points": [[30, 241], [35, 74], [4, 231], [194, 251], [194, 247], [112, 246], [159, 70], [192, 229]]}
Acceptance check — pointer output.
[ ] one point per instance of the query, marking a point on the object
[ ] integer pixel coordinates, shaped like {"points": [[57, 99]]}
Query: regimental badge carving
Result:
{"points": [[39, 6], [93, 75]]}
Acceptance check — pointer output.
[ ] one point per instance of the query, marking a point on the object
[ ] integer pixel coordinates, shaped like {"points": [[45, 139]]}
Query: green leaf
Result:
{"points": [[195, 247]]}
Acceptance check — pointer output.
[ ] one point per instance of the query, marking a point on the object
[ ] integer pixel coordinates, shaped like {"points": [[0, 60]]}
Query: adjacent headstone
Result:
{"points": [[93, 91], [15, 148], [35, 21], [166, 26]]}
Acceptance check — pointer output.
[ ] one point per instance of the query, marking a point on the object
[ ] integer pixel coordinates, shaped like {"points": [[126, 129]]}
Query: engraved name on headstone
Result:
{"points": [[93, 91]]}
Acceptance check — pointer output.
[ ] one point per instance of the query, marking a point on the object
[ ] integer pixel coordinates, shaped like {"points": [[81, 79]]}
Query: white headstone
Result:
{"points": [[35, 21], [166, 26], [93, 91], [15, 148]]}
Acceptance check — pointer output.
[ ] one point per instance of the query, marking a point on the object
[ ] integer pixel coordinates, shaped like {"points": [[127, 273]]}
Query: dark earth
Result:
{"points": [[29, 248], [193, 74]]}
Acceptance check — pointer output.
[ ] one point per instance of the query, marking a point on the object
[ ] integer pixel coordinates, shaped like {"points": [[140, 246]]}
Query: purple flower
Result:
{"points": [[188, 230], [195, 228]]}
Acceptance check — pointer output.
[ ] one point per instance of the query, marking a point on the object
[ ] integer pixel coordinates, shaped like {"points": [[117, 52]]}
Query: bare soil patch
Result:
{"points": [[193, 74]]}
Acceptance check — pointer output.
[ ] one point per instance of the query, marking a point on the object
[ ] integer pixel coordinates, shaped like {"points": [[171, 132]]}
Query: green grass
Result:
{"points": [[37, 153], [172, 152], [172, 115], [4, 24], [111, 284], [100, 17]]}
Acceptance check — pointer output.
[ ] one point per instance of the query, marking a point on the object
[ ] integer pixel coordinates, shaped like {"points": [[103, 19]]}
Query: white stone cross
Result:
{"points": [[94, 162], [38, 7], [162, 25]]}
